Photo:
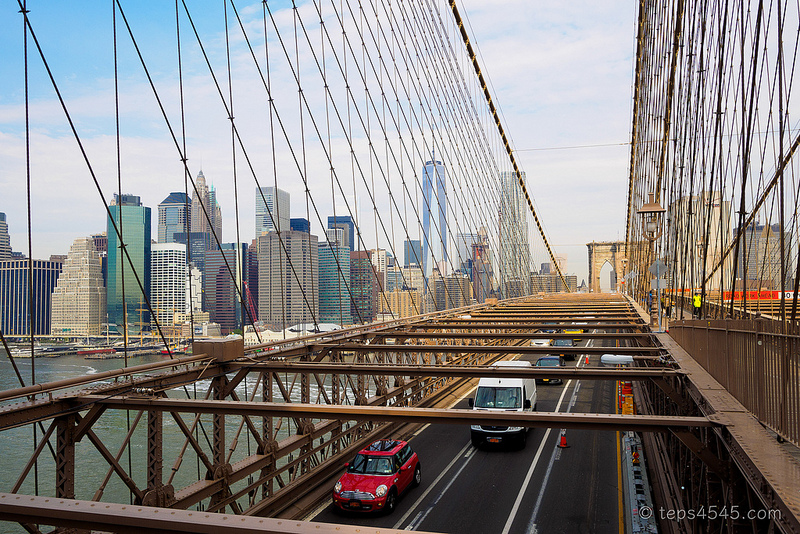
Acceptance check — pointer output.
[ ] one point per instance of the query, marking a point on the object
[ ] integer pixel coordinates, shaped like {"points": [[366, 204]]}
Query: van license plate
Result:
{"points": [[493, 440]]}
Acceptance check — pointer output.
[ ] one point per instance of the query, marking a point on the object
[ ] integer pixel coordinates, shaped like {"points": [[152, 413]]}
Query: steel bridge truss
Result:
{"points": [[260, 431]]}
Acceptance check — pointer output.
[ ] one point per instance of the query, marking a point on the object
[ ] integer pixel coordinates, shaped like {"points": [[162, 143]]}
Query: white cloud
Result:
{"points": [[560, 73]]}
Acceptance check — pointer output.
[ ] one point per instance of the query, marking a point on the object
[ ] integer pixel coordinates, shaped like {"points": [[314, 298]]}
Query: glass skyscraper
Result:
{"points": [[5, 240], [133, 221], [172, 216], [168, 281], [515, 252], [272, 210], [434, 193], [14, 295], [345, 222], [334, 278]]}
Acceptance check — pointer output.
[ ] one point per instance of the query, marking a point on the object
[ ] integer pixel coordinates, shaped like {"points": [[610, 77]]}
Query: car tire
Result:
{"points": [[417, 476], [391, 502], [523, 438]]}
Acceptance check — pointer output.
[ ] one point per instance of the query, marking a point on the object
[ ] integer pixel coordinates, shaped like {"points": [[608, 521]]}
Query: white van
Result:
{"points": [[503, 395]]}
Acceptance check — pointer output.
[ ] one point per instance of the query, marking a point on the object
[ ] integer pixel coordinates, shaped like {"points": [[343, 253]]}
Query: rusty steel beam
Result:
{"points": [[638, 423], [511, 335], [128, 519], [489, 349], [515, 324], [97, 377], [476, 371]]}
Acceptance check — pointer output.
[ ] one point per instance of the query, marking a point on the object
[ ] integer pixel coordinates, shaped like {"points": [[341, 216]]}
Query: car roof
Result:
{"points": [[383, 447], [549, 358]]}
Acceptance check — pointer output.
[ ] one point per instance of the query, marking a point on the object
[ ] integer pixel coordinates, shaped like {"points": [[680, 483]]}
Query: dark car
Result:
{"points": [[564, 343], [549, 361], [377, 476]]}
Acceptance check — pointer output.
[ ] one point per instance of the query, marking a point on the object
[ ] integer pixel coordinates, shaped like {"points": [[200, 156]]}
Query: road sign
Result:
{"points": [[658, 283], [658, 267]]}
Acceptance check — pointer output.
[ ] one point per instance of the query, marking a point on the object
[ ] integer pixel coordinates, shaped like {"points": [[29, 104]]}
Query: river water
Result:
{"points": [[17, 445]]}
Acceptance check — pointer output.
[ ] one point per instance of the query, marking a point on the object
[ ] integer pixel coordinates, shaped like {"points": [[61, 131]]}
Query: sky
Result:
{"points": [[561, 75]]}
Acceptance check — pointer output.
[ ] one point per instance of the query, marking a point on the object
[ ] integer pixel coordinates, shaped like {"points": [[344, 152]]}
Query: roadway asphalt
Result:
{"points": [[541, 488]]}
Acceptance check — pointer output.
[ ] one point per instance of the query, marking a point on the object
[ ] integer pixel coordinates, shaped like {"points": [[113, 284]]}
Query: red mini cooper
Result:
{"points": [[377, 476]]}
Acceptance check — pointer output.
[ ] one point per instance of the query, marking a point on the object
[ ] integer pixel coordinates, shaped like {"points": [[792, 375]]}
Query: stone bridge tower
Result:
{"points": [[612, 252]]}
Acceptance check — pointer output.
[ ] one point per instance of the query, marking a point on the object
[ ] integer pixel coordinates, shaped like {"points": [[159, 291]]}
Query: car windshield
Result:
{"points": [[498, 397], [547, 362], [563, 343], [371, 465]]}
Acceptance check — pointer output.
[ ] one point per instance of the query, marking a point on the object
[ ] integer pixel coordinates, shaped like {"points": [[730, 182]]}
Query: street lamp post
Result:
{"points": [[652, 214]]}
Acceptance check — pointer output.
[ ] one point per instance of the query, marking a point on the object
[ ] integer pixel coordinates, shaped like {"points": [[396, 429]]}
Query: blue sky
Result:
{"points": [[561, 74]]}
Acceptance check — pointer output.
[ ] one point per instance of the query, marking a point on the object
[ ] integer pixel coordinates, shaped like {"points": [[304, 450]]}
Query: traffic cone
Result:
{"points": [[563, 442], [586, 362]]}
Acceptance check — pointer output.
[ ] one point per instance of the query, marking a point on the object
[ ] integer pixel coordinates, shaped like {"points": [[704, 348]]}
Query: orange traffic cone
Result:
{"points": [[586, 362], [563, 442]]}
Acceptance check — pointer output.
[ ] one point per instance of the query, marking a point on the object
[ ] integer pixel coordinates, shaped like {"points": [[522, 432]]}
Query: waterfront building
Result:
{"points": [[79, 298], [133, 220], [348, 227], [173, 216], [5, 239], [288, 279], [225, 273], [434, 210], [334, 279], [515, 264], [16, 294], [272, 210], [168, 281]]}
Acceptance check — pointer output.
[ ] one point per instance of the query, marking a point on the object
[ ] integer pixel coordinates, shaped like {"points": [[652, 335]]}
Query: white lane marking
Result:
{"points": [[422, 515], [532, 529], [433, 484], [529, 475], [553, 457]]}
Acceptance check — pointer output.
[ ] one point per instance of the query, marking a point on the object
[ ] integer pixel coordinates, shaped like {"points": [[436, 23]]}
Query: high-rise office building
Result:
{"points": [[173, 216], [434, 209], [168, 281], [482, 273], [334, 279], [79, 298], [5, 239], [288, 278], [300, 224], [206, 212], [379, 260], [691, 222], [133, 221], [515, 256], [221, 290], [251, 285], [272, 210], [15, 294], [194, 290], [345, 222], [363, 287], [759, 260]]}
